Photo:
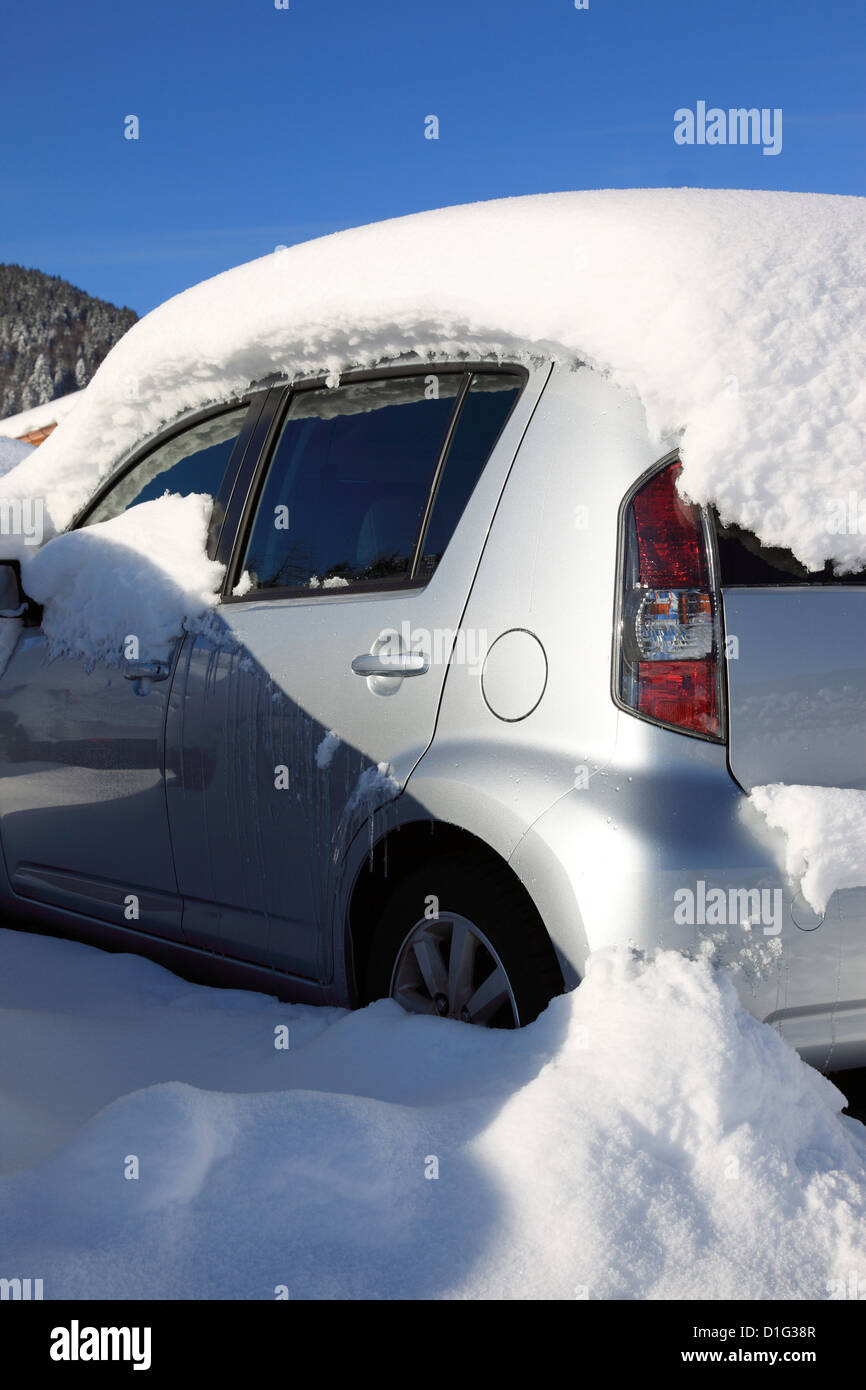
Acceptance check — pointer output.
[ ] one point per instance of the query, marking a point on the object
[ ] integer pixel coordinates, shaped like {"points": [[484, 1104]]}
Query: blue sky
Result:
{"points": [[261, 127]]}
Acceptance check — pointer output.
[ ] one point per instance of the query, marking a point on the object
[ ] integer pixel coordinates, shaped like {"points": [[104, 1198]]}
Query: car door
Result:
{"points": [[355, 549], [83, 818]]}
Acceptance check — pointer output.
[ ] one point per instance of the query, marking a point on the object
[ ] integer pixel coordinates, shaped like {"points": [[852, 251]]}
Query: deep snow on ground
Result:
{"points": [[646, 1137], [736, 316]]}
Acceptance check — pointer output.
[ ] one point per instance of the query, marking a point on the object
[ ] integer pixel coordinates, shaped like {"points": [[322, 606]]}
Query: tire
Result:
{"points": [[486, 923]]}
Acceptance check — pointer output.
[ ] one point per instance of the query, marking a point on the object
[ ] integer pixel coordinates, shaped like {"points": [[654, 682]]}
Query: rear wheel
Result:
{"points": [[461, 940]]}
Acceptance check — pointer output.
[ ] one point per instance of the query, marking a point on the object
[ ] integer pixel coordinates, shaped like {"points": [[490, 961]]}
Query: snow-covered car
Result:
{"points": [[436, 641]]}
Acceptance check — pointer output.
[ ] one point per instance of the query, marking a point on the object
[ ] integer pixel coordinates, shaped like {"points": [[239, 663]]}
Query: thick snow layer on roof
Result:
{"points": [[738, 318], [644, 1138]]}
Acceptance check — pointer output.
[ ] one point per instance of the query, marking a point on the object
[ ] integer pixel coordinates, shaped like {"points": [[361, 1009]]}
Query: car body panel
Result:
{"points": [[82, 812], [797, 685]]}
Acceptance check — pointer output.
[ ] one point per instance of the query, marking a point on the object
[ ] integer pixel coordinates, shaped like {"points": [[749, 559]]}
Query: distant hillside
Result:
{"points": [[52, 337]]}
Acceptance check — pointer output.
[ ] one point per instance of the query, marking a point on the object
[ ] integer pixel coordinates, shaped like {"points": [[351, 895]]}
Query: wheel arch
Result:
{"points": [[395, 852]]}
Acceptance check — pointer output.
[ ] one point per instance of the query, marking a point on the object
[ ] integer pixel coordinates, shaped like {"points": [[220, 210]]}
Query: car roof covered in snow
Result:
{"points": [[737, 318]]}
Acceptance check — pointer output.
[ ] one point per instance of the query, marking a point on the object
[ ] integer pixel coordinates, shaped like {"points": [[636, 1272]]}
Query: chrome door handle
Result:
{"points": [[401, 664], [146, 670]]}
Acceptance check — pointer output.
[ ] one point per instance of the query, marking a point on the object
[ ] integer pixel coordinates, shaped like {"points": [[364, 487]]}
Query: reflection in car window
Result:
{"points": [[348, 483], [485, 410], [193, 461]]}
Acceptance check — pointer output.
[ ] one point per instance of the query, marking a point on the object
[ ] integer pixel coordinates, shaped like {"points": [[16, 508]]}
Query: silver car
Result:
{"points": [[482, 694]]}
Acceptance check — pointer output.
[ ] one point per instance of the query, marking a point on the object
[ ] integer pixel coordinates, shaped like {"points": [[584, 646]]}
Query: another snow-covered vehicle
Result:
{"points": [[471, 662]]}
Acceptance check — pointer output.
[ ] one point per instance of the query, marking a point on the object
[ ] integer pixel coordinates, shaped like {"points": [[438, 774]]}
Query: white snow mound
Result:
{"points": [[736, 316], [139, 576], [645, 1138], [825, 830]]}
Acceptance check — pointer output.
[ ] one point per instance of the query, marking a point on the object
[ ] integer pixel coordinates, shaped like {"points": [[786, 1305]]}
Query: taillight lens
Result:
{"points": [[669, 620]]}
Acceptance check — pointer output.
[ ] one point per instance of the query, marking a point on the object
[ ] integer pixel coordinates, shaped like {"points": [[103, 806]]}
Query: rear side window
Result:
{"points": [[745, 563], [192, 461], [347, 488]]}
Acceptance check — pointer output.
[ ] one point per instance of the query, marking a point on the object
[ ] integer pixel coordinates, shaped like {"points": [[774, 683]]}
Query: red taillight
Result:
{"points": [[670, 540], [679, 692], [669, 627]]}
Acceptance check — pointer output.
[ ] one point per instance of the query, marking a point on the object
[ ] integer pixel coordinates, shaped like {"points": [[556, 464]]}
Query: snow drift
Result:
{"points": [[645, 1138], [737, 317]]}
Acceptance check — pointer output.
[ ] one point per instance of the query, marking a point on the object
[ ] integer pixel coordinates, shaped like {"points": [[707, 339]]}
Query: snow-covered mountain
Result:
{"points": [[53, 337]]}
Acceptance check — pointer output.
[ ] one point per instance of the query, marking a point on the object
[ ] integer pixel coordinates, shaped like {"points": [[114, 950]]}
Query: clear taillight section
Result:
{"points": [[669, 622]]}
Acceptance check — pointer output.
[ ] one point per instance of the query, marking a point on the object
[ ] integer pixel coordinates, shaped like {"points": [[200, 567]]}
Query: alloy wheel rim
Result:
{"points": [[446, 966]]}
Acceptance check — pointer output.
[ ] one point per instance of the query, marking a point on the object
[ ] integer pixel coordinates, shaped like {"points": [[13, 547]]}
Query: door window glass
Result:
{"points": [[193, 461], [348, 484]]}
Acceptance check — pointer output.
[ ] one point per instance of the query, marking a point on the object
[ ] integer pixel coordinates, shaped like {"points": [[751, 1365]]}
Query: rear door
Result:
{"points": [[797, 714], [358, 541]]}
